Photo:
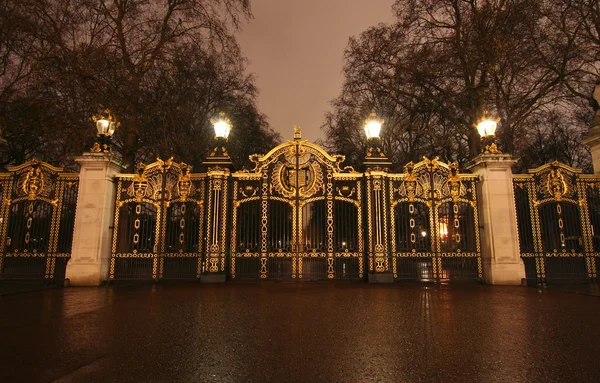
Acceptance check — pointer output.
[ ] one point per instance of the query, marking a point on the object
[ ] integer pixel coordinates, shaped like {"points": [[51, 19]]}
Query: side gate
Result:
{"points": [[434, 223], [37, 217], [297, 216], [558, 211], [159, 223]]}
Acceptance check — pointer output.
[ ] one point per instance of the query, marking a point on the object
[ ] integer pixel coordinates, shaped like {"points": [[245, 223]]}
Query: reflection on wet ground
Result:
{"points": [[299, 332]]}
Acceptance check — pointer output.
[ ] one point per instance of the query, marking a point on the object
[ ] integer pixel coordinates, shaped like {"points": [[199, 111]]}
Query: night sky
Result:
{"points": [[296, 52]]}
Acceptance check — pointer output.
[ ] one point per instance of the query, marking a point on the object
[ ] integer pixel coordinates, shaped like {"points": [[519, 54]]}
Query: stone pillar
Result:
{"points": [[92, 237], [500, 255], [593, 142], [593, 138]]}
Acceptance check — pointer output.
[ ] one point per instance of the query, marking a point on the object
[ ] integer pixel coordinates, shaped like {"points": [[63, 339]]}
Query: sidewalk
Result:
{"points": [[578, 288], [18, 287], [299, 332]]}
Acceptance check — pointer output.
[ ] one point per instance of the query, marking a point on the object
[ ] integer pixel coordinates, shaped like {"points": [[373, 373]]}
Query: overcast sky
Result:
{"points": [[296, 52]]}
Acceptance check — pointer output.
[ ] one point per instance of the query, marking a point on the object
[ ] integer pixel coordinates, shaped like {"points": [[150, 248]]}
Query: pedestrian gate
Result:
{"points": [[434, 223], [558, 215], [37, 215], [159, 223]]}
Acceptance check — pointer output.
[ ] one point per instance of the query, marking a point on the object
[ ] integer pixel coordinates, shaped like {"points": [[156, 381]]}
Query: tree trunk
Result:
{"points": [[474, 143]]}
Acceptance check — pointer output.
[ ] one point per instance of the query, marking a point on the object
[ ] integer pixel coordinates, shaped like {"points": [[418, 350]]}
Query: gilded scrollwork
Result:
{"points": [[185, 187], [453, 187], [555, 181], [412, 186], [36, 180], [345, 191], [140, 188], [305, 179], [248, 191]]}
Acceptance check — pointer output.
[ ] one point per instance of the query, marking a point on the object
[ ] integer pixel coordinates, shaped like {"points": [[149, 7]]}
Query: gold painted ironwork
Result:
{"points": [[432, 185], [37, 215], [491, 149], [297, 133], [546, 231], [299, 175], [159, 192]]}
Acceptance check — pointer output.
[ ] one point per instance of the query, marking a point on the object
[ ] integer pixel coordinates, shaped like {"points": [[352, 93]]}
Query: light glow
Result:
{"points": [[106, 123], [443, 229], [105, 127], [373, 126], [487, 127], [222, 126]]}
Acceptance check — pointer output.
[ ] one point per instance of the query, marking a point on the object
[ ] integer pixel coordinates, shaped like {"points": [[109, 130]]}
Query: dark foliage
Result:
{"points": [[433, 72], [163, 67]]}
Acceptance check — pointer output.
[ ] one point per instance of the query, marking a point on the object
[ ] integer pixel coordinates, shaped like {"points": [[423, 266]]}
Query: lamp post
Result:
{"points": [[373, 127], [91, 249], [106, 124], [219, 156], [218, 168], [222, 126], [486, 127], [376, 167], [375, 156], [500, 255]]}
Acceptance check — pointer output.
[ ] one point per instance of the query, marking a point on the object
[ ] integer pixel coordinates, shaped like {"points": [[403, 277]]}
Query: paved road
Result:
{"points": [[278, 332]]}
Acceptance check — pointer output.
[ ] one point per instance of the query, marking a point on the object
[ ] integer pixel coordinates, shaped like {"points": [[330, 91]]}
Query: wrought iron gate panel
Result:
{"points": [[557, 211], [37, 219], [66, 213], [348, 236], [29, 225], [593, 199], [434, 223], [137, 229], [297, 215], [4, 196], [280, 238], [158, 228], [457, 227]]}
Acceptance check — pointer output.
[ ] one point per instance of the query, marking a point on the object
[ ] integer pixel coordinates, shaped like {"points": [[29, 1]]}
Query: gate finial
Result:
{"points": [[297, 133]]}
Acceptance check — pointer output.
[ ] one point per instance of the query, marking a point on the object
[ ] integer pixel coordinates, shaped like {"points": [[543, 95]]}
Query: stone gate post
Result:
{"points": [[500, 254], [92, 236], [593, 138]]}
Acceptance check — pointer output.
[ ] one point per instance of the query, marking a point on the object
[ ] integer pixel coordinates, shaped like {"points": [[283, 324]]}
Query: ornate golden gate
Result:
{"points": [[297, 215], [37, 215], [434, 223], [159, 223], [558, 216]]}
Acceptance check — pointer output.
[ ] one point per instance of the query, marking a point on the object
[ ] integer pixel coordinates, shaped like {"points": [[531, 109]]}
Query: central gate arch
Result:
{"points": [[297, 216]]}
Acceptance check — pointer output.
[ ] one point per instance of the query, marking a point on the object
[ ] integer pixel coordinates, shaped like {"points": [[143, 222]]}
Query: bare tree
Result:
{"points": [[434, 72], [163, 67]]}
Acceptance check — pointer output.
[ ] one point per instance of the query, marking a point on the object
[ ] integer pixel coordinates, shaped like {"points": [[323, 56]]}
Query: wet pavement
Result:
{"points": [[299, 332]]}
